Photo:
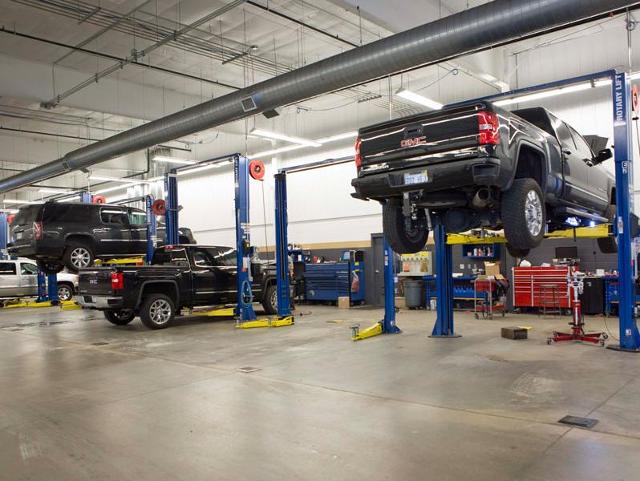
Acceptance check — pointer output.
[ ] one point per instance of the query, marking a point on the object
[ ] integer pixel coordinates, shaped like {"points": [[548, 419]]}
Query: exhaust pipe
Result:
{"points": [[482, 198]]}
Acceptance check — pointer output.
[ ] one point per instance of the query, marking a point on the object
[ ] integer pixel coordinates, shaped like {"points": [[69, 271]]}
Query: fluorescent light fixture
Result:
{"points": [[116, 179], [111, 189], [214, 165], [419, 99], [54, 190], [543, 95], [287, 138], [9, 211], [173, 160], [335, 138], [267, 153], [16, 201]]}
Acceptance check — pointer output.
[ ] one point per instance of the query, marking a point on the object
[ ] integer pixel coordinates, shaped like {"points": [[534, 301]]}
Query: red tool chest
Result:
{"points": [[544, 287]]}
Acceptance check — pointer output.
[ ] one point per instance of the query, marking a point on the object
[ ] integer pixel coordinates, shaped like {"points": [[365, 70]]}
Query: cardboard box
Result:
{"points": [[492, 269], [344, 302], [514, 333]]}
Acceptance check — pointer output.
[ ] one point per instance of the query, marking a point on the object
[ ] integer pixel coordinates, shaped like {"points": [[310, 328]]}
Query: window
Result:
{"points": [[7, 268], [563, 133], [137, 217], [171, 257], [214, 256], [28, 269], [60, 212], [584, 151], [113, 216]]}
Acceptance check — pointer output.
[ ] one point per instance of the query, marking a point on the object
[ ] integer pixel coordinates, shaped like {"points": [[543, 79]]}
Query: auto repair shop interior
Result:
{"points": [[340, 239]]}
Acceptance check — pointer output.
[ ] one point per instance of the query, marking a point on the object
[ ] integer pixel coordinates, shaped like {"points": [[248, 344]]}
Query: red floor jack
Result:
{"points": [[576, 284]]}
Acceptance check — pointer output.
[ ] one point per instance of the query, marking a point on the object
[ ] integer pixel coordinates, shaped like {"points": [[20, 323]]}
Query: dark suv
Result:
{"points": [[57, 234]]}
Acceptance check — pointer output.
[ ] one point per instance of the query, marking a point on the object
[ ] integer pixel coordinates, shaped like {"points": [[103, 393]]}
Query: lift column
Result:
{"points": [[152, 227], [389, 320], [4, 234], [444, 282], [282, 246], [171, 216], [622, 140], [245, 310]]}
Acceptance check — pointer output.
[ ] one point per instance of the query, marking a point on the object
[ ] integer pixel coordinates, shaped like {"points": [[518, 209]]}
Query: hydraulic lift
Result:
{"points": [[385, 326], [621, 93], [243, 171]]}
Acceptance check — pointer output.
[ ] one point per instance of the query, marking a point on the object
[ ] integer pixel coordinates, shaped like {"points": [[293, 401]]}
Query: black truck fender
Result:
{"points": [[172, 291], [532, 162]]}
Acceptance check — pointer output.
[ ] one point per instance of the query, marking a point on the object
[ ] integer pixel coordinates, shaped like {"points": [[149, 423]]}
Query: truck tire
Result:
{"points": [[523, 214], [120, 317], [270, 301], [609, 245], [65, 291], [517, 253], [78, 255], [157, 311], [402, 240]]}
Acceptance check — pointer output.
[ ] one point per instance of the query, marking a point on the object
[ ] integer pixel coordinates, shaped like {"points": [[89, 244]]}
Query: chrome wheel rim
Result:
{"points": [[80, 257], [274, 299], [160, 311], [533, 213], [64, 293]]}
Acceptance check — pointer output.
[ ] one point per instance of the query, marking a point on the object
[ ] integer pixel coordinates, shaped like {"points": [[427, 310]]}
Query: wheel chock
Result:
{"points": [[276, 322], [358, 335]]}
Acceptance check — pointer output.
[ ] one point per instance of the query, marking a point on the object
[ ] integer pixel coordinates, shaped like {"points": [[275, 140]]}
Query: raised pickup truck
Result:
{"points": [[180, 276], [477, 165]]}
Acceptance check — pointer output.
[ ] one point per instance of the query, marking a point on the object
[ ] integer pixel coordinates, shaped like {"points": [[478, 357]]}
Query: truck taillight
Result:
{"points": [[117, 281], [488, 128], [37, 230], [358, 156]]}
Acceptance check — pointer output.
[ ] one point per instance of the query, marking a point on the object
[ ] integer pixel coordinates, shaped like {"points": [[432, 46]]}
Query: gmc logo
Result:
{"points": [[413, 142]]}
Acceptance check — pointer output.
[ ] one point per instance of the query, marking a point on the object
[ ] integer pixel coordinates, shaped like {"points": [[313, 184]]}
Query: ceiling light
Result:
{"points": [[111, 189], [54, 190], [334, 138], [173, 160], [543, 95], [281, 150], [419, 99], [276, 136], [214, 165], [118, 179], [16, 201], [9, 211]]}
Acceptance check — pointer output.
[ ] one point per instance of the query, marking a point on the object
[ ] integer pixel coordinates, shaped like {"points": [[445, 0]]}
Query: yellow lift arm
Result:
{"points": [[488, 237]]}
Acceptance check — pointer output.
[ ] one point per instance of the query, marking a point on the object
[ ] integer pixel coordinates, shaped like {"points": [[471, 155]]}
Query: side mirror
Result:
{"points": [[603, 155]]}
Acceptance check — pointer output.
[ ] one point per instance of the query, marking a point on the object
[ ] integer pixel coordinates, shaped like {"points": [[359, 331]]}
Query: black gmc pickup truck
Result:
{"points": [[181, 276], [476, 165]]}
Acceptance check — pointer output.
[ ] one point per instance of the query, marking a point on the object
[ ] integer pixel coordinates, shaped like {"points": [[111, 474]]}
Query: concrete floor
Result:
{"points": [[81, 399]]}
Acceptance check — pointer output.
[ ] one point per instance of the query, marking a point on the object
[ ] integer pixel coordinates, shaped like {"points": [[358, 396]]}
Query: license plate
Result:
{"points": [[88, 298], [416, 178], [18, 235]]}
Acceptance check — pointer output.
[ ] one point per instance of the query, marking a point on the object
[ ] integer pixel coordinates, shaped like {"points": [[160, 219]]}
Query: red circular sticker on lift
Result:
{"points": [[159, 207], [256, 169], [635, 98]]}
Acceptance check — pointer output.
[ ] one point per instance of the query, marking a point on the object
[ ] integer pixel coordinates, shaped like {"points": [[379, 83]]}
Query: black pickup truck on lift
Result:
{"points": [[180, 276], [478, 165]]}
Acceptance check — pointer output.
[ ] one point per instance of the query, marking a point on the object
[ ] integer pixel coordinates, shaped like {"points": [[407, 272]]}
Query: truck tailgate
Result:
{"points": [[427, 134], [96, 280]]}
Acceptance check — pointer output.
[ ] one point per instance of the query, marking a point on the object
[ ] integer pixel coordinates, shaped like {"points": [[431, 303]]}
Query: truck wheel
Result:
{"points": [[65, 291], [78, 255], [157, 311], [523, 214], [402, 238], [120, 317], [270, 301], [609, 245], [517, 253], [50, 267]]}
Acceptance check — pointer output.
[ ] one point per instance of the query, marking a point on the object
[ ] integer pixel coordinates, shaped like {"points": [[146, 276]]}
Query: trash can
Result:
{"points": [[414, 293]]}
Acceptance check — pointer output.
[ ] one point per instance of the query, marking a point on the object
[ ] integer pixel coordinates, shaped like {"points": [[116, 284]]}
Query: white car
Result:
{"points": [[19, 278]]}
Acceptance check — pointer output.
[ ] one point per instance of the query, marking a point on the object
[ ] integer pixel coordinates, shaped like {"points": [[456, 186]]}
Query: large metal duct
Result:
{"points": [[468, 31]]}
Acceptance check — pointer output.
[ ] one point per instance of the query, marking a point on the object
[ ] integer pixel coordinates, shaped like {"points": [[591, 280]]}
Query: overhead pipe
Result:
{"points": [[469, 31]]}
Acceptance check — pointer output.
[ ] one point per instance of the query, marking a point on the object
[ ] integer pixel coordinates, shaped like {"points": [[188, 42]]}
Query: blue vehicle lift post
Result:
{"points": [[152, 227], [171, 205], [623, 156], [388, 324], [4, 234]]}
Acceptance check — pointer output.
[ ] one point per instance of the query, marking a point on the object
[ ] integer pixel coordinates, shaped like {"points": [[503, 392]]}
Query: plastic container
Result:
{"points": [[414, 293]]}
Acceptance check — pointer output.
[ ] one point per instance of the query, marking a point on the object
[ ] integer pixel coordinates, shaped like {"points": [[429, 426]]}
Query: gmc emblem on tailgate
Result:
{"points": [[93, 281], [413, 142]]}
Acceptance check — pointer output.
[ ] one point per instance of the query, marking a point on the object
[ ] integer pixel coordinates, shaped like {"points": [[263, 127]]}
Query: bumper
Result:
{"points": [[442, 176], [99, 302], [35, 250]]}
